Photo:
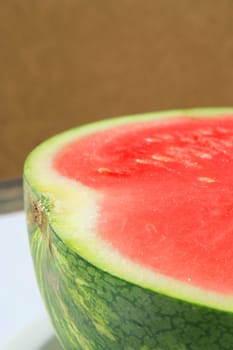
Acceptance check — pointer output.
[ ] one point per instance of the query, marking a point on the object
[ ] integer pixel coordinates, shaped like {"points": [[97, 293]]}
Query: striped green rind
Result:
{"points": [[93, 310]]}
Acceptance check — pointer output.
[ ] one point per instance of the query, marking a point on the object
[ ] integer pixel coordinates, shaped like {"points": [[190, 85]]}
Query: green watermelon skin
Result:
{"points": [[93, 310]]}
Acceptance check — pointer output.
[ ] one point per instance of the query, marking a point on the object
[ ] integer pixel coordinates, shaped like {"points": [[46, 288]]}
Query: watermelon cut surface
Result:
{"points": [[136, 214]]}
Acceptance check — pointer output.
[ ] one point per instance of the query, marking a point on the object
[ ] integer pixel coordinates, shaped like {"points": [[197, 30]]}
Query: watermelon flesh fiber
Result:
{"points": [[165, 204]]}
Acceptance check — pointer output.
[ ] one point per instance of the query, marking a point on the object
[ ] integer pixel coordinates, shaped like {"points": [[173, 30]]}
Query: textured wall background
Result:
{"points": [[67, 62]]}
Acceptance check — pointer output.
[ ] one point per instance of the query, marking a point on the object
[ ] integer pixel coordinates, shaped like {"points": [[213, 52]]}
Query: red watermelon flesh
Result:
{"points": [[166, 194]]}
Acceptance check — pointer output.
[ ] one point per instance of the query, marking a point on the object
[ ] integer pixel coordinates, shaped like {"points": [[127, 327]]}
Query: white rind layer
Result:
{"points": [[75, 213]]}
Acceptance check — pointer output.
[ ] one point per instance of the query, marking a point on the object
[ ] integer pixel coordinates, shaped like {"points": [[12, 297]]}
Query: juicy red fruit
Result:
{"points": [[167, 194]]}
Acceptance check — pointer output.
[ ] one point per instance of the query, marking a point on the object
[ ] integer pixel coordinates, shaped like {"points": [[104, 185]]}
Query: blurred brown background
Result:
{"points": [[68, 62]]}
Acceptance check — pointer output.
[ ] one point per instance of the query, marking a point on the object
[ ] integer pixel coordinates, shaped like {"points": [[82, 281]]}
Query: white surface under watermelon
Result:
{"points": [[130, 223]]}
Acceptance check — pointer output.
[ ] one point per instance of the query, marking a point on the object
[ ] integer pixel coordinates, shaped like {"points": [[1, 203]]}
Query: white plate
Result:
{"points": [[23, 321], [37, 336]]}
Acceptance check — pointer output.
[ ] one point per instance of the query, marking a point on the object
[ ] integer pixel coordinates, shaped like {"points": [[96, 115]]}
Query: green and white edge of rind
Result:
{"points": [[71, 203]]}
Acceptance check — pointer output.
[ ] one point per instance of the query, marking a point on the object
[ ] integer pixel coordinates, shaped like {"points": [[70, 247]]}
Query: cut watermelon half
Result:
{"points": [[146, 200]]}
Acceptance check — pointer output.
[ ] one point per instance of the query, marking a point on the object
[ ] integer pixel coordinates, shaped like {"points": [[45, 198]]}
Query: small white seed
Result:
{"points": [[150, 140], [105, 171], [161, 158], [206, 179]]}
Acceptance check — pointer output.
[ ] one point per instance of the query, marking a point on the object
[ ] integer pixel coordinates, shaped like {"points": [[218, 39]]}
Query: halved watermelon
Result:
{"points": [[130, 223]]}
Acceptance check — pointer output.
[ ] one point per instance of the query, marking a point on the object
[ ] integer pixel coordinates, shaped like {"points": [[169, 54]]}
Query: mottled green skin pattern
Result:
{"points": [[92, 310]]}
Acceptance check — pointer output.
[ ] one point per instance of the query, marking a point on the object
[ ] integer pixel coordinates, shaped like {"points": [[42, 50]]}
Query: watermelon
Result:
{"points": [[130, 225]]}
